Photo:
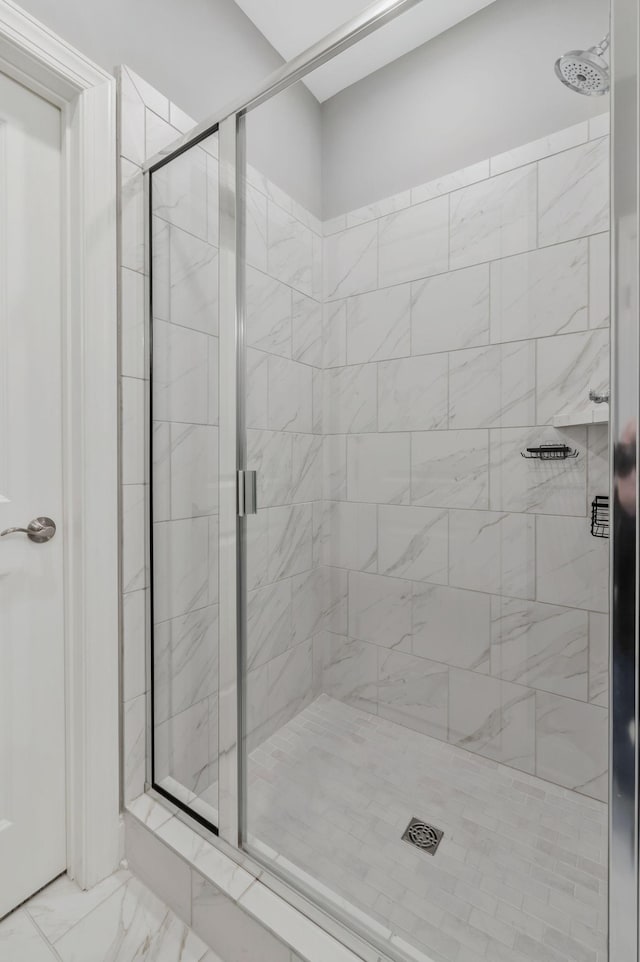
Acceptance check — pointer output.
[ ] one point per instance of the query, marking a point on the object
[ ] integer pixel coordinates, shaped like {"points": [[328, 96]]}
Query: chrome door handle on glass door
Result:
{"points": [[38, 530]]}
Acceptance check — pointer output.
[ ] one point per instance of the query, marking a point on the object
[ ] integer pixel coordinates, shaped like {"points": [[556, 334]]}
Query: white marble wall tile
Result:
{"points": [[132, 253], [334, 225], [307, 467], [450, 469], [568, 367], [413, 243], [598, 472], [334, 334], [452, 626], [598, 659], [214, 546], [495, 218], [450, 311], [182, 748], [134, 644], [158, 133], [256, 228], [194, 470], [257, 389], [599, 126], [346, 535], [572, 568], [213, 191], [349, 670], [599, 280], [179, 191], [213, 386], [493, 718], [151, 97], [270, 454], [335, 467], [269, 623], [134, 573], [540, 646], [132, 121], [378, 325], [336, 598], [379, 209], [351, 261], [257, 549], [290, 250], [378, 468], [574, 193], [572, 744], [412, 393], [133, 404], [134, 716], [492, 386], [180, 383], [181, 566], [132, 324], [492, 552], [309, 597], [531, 485], [290, 395], [268, 312], [537, 149], [161, 268], [349, 399], [380, 610], [307, 339], [185, 661], [161, 471], [413, 692], [540, 293], [413, 543], [180, 120], [290, 680], [290, 540], [443, 185]]}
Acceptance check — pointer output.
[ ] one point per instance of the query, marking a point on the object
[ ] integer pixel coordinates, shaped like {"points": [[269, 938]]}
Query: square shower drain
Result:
{"points": [[423, 836]]}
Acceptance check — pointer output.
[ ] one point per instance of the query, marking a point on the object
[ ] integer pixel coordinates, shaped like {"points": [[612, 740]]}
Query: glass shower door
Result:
{"points": [[185, 478]]}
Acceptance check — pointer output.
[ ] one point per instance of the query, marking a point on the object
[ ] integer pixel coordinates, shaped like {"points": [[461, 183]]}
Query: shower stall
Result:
{"points": [[383, 507]]}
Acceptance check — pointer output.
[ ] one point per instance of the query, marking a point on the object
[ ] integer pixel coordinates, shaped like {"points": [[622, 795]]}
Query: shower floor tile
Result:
{"points": [[520, 874]]}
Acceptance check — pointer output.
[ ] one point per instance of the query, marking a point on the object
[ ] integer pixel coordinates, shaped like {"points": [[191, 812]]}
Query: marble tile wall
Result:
{"points": [[468, 598], [405, 558], [287, 589]]}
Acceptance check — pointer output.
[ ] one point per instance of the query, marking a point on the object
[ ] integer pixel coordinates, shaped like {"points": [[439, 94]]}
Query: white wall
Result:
{"points": [[482, 87], [201, 54]]}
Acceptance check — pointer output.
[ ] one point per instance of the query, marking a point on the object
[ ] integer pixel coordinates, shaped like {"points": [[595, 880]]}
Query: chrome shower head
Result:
{"points": [[585, 71]]}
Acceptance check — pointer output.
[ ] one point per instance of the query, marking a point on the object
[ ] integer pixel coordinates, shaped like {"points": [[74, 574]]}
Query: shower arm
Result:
{"points": [[602, 47]]}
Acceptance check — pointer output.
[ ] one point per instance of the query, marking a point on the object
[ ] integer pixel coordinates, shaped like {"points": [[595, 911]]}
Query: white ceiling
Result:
{"points": [[293, 25]]}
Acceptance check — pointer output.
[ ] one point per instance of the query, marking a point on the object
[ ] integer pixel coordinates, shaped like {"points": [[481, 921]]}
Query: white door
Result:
{"points": [[32, 701]]}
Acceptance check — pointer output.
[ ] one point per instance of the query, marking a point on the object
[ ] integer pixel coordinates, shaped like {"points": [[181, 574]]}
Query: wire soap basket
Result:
{"points": [[600, 516], [550, 452]]}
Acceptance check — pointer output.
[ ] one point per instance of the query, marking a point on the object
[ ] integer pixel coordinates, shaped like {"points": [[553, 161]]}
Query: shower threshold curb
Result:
{"points": [[310, 933]]}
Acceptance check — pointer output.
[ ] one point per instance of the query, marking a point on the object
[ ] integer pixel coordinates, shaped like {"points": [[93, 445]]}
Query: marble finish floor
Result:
{"points": [[520, 875], [119, 920]]}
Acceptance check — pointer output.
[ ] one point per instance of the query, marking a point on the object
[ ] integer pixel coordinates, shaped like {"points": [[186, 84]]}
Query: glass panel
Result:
{"points": [[426, 312], [184, 453]]}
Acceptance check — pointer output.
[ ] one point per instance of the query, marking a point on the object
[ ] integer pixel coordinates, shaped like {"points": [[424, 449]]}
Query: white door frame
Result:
{"points": [[33, 55]]}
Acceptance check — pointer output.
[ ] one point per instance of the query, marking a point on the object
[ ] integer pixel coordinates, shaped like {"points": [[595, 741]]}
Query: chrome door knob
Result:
{"points": [[38, 530]]}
